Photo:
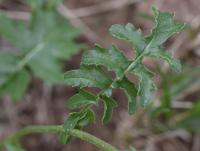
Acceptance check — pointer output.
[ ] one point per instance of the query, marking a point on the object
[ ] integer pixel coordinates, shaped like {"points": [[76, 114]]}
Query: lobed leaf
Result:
{"points": [[102, 56], [76, 120], [81, 99], [88, 77], [131, 92], [109, 105], [164, 28], [160, 53], [71, 121], [129, 33], [49, 41], [89, 117], [146, 84]]}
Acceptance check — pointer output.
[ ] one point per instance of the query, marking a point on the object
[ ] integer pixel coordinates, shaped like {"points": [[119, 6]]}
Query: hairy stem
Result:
{"points": [[55, 130]]}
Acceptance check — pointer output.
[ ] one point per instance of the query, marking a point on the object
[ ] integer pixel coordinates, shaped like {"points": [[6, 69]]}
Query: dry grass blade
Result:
{"points": [[103, 7]]}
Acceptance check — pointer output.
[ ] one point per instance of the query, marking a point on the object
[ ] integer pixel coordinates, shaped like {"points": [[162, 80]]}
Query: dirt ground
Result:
{"points": [[44, 104]]}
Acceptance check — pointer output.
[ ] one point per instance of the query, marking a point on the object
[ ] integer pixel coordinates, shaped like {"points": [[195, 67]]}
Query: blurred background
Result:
{"points": [[171, 123]]}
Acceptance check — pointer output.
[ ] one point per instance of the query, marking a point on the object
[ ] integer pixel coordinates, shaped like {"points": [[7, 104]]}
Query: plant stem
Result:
{"points": [[93, 140], [55, 130]]}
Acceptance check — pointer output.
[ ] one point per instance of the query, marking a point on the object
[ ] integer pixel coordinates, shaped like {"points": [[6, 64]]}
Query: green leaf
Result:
{"points": [[88, 77], [109, 105], [15, 32], [165, 27], [87, 118], [81, 99], [145, 90], [160, 53], [16, 85], [71, 122], [129, 33], [102, 56], [146, 84], [8, 63], [131, 92], [52, 45], [45, 43], [91, 72], [76, 120]]}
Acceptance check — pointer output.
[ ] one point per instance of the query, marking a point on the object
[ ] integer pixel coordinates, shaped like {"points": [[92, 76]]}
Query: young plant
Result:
{"points": [[174, 85], [92, 74], [44, 44]]}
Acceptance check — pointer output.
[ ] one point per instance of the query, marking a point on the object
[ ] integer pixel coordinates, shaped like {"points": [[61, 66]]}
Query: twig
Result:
{"points": [[43, 113], [24, 16], [177, 104], [102, 7], [66, 12], [74, 15], [79, 12]]}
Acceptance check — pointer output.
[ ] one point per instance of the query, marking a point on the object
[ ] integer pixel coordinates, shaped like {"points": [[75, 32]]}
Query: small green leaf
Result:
{"points": [[129, 33], [165, 27], [43, 46], [131, 92], [71, 122], [146, 84], [102, 56], [145, 90], [87, 118], [76, 120], [160, 53], [88, 77], [109, 105], [81, 99]]}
